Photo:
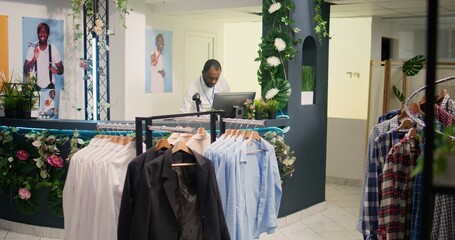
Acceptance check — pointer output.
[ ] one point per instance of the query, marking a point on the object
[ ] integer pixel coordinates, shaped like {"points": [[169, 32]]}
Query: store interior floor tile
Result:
{"points": [[337, 222]]}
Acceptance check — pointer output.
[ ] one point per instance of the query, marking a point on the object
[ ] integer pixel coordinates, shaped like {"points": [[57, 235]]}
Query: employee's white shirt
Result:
{"points": [[206, 94]]}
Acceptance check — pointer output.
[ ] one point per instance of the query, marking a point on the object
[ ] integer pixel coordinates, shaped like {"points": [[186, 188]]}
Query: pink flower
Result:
{"points": [[83, 64], [55, 161], [22, 155], [24, 194]]}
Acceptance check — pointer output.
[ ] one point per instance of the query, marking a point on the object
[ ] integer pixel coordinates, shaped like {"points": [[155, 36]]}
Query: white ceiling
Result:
{"points": [[244, 10]]}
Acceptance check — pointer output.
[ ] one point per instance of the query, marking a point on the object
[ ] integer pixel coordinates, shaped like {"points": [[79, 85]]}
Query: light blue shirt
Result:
{"points": [[250, 186]]}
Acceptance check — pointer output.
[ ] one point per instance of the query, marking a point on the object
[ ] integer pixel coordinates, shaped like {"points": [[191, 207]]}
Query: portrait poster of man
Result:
{"points": [[43, 51], [4, 61], [49, 103], [158, 59]]}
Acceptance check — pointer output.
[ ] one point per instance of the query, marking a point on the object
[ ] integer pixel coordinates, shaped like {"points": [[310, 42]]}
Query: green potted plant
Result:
{"points": [[17, 98], [308, 77], [260, 107], [272, 106]]}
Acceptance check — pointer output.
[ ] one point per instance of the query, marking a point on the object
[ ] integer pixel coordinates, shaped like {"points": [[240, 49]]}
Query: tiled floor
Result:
{"points": [[336, 223]]}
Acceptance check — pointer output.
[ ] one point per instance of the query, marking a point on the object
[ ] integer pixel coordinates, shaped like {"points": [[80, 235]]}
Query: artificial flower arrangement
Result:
{"points": [[277, 46], [28, 167], [284, 155]]}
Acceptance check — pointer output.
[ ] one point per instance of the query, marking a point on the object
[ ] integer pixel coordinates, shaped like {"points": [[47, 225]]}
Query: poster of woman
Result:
{"points": [[158, 58], [42, 48]]}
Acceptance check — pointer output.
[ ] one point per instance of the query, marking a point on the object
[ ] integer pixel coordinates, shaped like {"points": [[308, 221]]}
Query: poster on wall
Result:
{"points": [[158, 59], [42, 48], [4, 61], [49, 103]]}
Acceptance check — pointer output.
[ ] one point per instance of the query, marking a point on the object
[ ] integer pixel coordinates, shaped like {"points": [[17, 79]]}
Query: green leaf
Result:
{"points": [[413, 66], [28, 207], [398, 94], [284, 91], [54, 203]]}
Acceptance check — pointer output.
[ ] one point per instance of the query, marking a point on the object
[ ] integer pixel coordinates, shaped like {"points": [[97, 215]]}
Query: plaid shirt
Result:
{"points": [[381, 148], [443, 116], [416, 218], [448, 104], [389, 115], [377, 130], [443, 218], [396, 202]]}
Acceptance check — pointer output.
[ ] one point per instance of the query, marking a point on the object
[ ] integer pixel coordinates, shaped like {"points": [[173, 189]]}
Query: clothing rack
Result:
{"points": [[115, 126], [148, 121], [418, 90], [245, 121], [172, 129], [428, 189]]}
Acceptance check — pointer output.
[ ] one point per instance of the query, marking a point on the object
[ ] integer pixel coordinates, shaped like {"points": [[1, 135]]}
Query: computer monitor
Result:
{"points": [[227, 101]]}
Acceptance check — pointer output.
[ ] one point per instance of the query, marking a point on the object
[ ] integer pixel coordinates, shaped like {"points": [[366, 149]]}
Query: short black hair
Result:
{"points": [[45, 26], [210, 63], [159, 36]]}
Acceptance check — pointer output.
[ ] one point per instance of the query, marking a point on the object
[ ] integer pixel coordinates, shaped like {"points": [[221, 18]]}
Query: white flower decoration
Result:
{"points": [[273, 61], [280, 44], [271, 93], [10, 159], [296, 30], [274, 7]]}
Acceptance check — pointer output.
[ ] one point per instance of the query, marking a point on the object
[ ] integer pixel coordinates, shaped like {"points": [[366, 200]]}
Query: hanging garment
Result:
{"points": [[363, 224], [443, 218], [396, 191], [249, 183], [382, 144], [416, 217], [160, 197], [448, 104], [92, 195], [131, 185], [199, 142]]}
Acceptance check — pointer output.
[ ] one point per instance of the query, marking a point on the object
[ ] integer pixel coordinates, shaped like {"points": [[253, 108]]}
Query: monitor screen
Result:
{"points": [[227, 101]]}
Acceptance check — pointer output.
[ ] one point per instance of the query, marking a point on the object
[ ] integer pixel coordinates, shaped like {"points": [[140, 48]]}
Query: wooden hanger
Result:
{"points": [[162, 143], [416, 108], [239, 133], [405, 124], [403, 114], [127, 139], [201, 131], [228, 132], [181, 146], [254, 136], [412, 133], [246, 134]]}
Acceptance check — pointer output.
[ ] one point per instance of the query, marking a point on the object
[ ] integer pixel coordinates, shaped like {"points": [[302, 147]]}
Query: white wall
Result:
{"points": [[72, 96], [350, 51], [241, 42]]}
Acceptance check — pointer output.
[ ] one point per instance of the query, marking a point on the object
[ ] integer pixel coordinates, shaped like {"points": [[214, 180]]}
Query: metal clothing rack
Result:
{"points": [[418, 90], [145, 122], [115, 126]]}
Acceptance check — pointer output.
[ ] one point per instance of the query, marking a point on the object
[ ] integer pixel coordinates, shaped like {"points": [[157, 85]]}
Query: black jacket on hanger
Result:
{"points": [[132, 179], [162, 197]]}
